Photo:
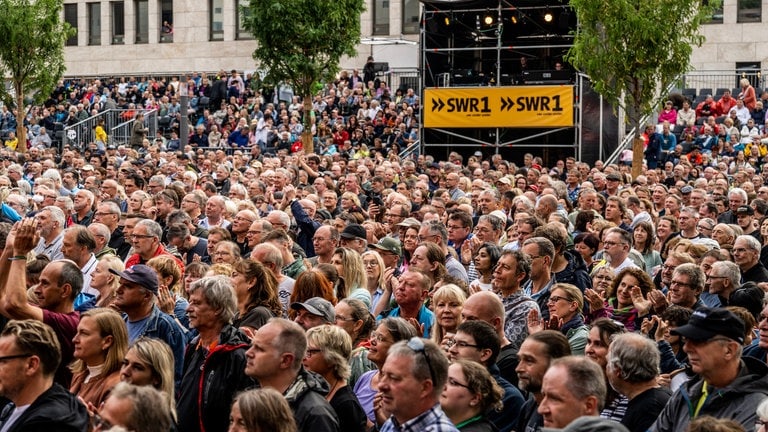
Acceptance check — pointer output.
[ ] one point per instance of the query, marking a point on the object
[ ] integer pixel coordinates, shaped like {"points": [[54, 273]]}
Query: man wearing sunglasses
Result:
{"points": [[410, 384], [727, 385]]}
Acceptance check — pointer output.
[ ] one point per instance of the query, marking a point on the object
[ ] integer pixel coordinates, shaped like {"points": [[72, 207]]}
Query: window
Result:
{"points": [[118, 22], [94, 23], [242, 13], [217, 20], [411, 15], [717, 14], [142, 21], [749, 11], [166, 21], [381, 17], [70, 17]]}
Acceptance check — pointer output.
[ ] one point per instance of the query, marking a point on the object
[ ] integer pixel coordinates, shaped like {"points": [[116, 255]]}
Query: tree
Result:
{"points": [[633, 49], [32, 51], [301, 43]]}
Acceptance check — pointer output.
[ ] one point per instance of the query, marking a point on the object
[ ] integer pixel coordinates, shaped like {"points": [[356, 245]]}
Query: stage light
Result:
{"points": [[447, 21], [513, 19], [488, 20], [548, 17]]}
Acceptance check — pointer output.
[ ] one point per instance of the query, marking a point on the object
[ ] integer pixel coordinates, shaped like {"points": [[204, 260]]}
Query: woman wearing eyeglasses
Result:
{"points": [[470, 393], [328, 351], [565, 305], [354, 318], [387, 333]]}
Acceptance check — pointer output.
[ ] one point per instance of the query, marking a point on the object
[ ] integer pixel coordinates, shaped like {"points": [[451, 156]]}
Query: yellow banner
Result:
{"points": [[503, 107]]}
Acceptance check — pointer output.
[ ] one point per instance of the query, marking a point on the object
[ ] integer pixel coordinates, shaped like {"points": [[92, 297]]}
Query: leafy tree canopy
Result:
{"points": [[32, 51], [302, 41], [632, 49]]}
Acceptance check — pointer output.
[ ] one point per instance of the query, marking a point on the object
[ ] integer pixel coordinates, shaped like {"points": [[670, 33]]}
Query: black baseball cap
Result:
{"points": [[706, 323]]}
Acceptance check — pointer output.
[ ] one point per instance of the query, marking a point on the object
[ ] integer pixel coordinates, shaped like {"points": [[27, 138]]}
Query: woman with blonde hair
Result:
{"points": [[263, 409], [169, 298], [100, 345], [104, 282], [447, 302], [349, 265], [565, 305], [374, 275], [328, 351], [470, 394], [149, 362]]}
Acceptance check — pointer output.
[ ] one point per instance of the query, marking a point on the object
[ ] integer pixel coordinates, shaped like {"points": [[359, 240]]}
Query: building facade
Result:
{"points": [[141, 37]]}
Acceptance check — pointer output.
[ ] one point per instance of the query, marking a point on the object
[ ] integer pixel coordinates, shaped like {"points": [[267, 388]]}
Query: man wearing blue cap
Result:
{"points": [[727, 385], [136, 297]]}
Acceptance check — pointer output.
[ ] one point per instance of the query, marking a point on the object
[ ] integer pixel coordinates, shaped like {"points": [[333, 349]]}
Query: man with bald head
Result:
{"points": [[546, 206], [487, 306]]}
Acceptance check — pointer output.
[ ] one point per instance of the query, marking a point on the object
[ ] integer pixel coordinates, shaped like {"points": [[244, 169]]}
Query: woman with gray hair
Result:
{"points": [[328, 351], [214, 363]]}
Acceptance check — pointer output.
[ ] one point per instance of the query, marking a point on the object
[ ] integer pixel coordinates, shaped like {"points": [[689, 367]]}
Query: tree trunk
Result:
{"points": [[637, 156], [21, 131], [306, 135]]}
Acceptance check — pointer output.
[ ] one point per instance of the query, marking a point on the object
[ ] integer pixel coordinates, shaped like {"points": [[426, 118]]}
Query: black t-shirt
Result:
{"points": [[644, 408], [351, 415]]}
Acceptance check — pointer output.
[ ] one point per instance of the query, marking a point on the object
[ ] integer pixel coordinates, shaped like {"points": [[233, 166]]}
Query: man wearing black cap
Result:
{"points": [[314, 312], [612, 183], [727, 385], [354, 237], [745, 216], [136, 297]]}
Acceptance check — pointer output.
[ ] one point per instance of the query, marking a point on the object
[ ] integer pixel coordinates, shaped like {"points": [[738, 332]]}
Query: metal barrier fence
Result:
{"points": [[118, 124], [400, 79], [701, 83]]}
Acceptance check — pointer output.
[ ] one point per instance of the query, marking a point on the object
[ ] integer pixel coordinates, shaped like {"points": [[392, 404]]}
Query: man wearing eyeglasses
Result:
{"points": [[30, 354], [617, 245], [145, 238], [410, 384], [746, 254], [727, 385], [478, 341]]}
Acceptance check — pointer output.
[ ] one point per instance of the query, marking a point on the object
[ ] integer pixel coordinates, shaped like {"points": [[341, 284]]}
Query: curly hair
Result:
{"points": [[643, 279]]}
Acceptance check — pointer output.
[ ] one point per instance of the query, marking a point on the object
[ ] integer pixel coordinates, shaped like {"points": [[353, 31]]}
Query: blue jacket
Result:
{"points": [[164, 327]]}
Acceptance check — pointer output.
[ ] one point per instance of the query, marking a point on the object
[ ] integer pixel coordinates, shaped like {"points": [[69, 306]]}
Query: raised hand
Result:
{"points": [[595, 300], [26, 237], [165, 299], [640, 303], [535, 324]]}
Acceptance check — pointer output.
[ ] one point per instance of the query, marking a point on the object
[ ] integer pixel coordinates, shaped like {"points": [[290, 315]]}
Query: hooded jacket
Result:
{"points": [[575, 273], [211, 381], [306, 397], [737, 401]]}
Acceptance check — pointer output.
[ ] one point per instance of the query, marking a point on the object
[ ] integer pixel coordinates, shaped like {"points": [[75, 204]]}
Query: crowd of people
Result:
{"points": [[250, 286]]}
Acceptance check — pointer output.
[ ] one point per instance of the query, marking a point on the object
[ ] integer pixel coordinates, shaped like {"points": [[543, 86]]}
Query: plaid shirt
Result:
{"points": [[432, 420]]}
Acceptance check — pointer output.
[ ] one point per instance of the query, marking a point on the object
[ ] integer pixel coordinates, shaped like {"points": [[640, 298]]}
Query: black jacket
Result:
{"points": [[306, 397], [54, 410], [209, 383]]}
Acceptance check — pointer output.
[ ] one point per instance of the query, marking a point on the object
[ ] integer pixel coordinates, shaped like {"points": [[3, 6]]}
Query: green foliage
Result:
{"points": [[32, 52], [302, 41], [632, 49]]}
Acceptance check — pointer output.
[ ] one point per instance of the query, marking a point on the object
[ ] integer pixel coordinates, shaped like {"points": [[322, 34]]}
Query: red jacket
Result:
{"points": [[136, 259]]}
